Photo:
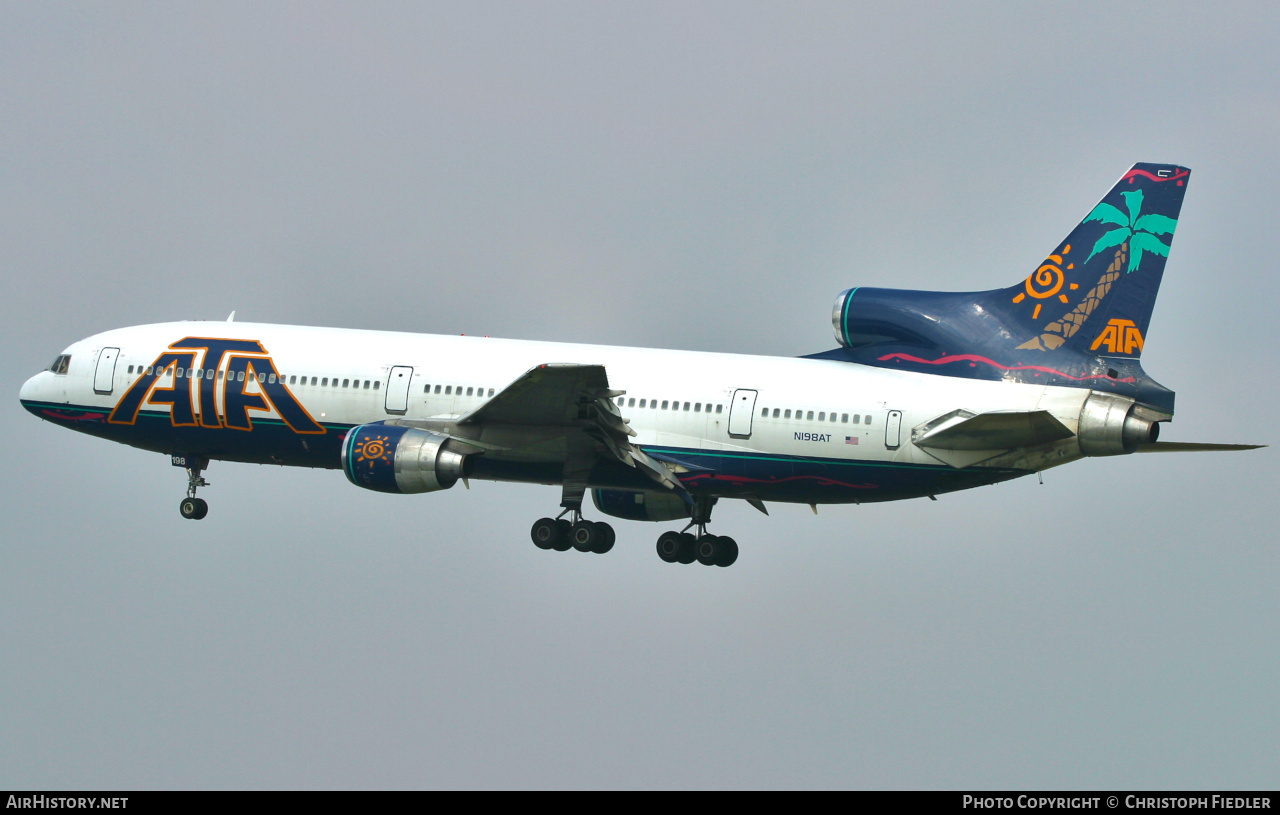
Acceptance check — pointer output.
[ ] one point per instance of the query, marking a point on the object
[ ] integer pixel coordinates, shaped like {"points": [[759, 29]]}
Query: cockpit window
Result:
{"points": [[61, 364]]}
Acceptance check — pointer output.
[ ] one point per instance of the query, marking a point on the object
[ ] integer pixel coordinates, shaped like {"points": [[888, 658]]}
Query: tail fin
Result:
{"points": [[1095, 291]]}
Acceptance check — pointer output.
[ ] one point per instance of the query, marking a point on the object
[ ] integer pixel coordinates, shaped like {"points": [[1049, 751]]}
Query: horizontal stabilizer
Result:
{"points": [[1193, 447], [998, 430]]}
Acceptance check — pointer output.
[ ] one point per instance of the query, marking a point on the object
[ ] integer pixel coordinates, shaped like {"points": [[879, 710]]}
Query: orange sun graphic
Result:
{"points": [[373, 450], [1047, 281]]}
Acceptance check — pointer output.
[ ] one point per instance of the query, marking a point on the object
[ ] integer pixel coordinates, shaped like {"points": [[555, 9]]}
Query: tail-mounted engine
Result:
{"points": [[388, 458], [1112, 426]]}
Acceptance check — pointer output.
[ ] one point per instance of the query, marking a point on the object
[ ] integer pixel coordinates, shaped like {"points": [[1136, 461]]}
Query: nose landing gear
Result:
{"points": [[191, 507]]}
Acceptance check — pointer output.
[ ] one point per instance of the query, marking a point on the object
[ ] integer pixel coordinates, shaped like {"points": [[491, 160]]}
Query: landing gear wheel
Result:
{"points": [[688, 548], [669, 546], [708, 550], [607, 537], [586, 536], [545, 533], [728, 551], [563, 542], [193, 509]]}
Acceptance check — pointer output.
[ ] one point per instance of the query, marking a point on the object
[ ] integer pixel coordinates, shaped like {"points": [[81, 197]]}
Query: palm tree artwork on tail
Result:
{"points": [[1132, 234]]}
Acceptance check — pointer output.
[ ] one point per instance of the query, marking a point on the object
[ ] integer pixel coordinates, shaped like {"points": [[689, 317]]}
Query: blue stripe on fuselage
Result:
{"points": [[792, 479]]}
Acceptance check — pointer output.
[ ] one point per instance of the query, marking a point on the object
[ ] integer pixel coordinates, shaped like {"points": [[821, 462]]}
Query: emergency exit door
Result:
{"points": [[740, 413], [104, 376], [398, 389], [893, 430]]}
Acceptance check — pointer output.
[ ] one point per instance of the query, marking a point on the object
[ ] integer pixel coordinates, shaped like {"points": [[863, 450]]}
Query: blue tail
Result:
{"points": [[1095, 292], [1080, 318]]}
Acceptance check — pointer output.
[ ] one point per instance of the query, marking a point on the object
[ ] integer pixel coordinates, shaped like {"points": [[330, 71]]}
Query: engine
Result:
{"points": [[1110, 426], [389, 458], [870, 316], [640, 506]]}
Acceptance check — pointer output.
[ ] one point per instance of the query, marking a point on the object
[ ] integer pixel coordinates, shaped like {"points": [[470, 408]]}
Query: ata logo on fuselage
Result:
{"points": [[1120, 337], [214, 383]]}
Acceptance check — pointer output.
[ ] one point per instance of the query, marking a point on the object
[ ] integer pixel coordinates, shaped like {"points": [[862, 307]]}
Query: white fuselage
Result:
{"points": [[806, 408]]}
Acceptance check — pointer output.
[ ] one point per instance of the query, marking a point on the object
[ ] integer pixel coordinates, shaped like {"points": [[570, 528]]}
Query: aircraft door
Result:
{"points": [[740, 413], [398, 389], [893, 430], [105, 375]]}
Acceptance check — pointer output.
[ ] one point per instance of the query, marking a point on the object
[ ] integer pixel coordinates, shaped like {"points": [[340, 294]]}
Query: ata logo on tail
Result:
{"points": [[1120, 337]]}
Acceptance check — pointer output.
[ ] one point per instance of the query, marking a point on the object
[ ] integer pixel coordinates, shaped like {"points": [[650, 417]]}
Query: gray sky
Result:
{"points": [[704, 176]]}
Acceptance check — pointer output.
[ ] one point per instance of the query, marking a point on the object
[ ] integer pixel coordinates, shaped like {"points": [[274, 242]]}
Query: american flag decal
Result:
{"points": [[850, 439]]}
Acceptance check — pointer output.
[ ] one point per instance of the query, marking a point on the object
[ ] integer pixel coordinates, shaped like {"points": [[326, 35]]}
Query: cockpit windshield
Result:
{"points": [[60, 364]]}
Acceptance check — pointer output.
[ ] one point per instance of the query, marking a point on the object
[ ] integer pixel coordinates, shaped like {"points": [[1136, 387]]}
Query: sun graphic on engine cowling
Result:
{"points": [[373, 449]]}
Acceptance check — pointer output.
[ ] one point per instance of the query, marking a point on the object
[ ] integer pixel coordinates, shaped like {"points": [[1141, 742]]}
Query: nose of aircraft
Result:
{"points": [[31, 390]]}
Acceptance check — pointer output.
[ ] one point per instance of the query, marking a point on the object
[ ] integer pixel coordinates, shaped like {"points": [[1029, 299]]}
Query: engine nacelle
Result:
{"points": [[1109, 426], [640, 506], [389, 458]]}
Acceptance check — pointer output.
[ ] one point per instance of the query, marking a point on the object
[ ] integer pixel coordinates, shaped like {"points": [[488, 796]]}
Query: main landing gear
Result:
{"points": [[709, 550], [193, 508], [561, 534]]}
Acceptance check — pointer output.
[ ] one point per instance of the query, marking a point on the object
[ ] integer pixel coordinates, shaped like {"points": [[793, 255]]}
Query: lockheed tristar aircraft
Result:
{"points": [[928, 392]]}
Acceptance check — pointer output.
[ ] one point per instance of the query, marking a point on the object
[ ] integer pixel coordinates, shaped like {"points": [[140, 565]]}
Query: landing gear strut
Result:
{"points": [[709, 550], [191, 507]]}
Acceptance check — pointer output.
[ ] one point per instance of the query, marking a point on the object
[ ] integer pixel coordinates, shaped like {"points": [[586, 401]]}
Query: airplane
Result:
{"points": [[926, 393]]}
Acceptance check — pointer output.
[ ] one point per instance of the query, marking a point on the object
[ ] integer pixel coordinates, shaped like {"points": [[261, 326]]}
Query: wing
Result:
{"points": [[1193, 447], [962, 438], [560, 412]]}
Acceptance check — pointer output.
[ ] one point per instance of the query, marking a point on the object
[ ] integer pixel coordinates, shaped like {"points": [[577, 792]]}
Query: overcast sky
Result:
{"points": [[688, 175]]}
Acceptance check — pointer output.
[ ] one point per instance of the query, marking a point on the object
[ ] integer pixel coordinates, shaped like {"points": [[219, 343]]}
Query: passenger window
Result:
{"points": [[719, 408], [239, 376], [130, 369], [150, 370], [437, 388], [491, 391], [809, 417], [642, 403], [366, 384], [324, 383], [313, 380], [686, 407], [180, 373], [697, 407], [470, 391], [844, 417], [426, 389], [857, 418], [775, 413], [271, 379], [868, 420], [664, 404], [631, 403], [448, 389], [344, 382], [787, 414], [376, 384], [764, 414], [822, 417]]}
